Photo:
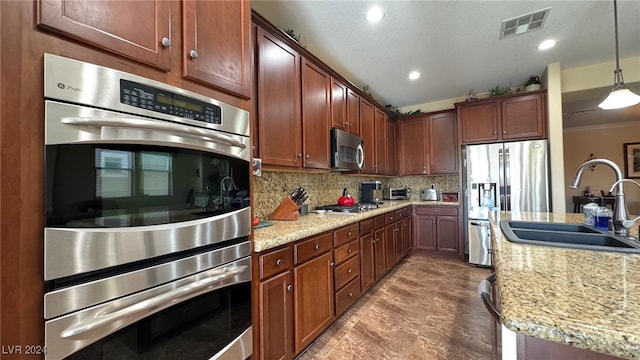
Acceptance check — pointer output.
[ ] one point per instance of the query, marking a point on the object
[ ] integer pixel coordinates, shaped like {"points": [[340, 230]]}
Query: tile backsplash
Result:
{"points": [[325, 188]]}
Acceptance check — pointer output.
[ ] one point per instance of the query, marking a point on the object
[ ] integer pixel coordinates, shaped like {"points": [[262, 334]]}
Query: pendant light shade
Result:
{"points": [[620, 96]]}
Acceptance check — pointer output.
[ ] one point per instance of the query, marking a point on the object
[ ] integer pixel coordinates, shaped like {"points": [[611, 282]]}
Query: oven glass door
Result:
{"points": [[127, 185], [195, 329]]}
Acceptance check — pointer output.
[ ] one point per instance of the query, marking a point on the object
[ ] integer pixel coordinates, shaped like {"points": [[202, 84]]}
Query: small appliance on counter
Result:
{"points": [[396, 193], [368, 189], [430, 194]]}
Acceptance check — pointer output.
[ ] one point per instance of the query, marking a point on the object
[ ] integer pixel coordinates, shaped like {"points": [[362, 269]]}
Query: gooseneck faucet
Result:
{"points": [[620, 215]]}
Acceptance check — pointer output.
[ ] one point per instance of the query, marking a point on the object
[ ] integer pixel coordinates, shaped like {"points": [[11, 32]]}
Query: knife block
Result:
{"points": [[287, 210]]}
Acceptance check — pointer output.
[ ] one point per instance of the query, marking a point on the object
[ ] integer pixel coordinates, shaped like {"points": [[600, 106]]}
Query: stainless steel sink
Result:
{"points": [[573, 236]]}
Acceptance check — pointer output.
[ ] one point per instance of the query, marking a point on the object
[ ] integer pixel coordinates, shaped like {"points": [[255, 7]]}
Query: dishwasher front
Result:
{"points": [[479, 242]]}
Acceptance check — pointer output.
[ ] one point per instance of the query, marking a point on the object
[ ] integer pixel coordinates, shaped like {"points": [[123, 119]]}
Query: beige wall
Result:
{"points": [[604, 142]]}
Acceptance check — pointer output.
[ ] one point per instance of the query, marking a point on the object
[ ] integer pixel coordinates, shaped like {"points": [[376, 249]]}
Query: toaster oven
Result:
{"points": [[396, 193]]}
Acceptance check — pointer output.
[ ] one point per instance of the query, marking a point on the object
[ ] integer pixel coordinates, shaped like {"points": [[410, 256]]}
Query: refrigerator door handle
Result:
{"points": [[501, 187], [507, 180]]}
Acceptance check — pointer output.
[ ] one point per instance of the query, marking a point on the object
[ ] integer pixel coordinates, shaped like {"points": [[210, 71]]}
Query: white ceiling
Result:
{"points": [[456, 45]]}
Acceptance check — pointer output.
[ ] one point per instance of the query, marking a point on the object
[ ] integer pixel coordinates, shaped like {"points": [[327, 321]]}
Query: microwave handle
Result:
{"points": [[360, 156], [198, 133], [151, 305]]}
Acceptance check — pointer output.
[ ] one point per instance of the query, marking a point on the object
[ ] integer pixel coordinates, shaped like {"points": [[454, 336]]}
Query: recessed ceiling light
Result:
{"points": [[374, 15], [547, 44], [414, 75]]}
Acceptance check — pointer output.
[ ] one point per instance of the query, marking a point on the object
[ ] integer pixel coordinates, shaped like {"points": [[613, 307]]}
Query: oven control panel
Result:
{"points": [[154, 99]]}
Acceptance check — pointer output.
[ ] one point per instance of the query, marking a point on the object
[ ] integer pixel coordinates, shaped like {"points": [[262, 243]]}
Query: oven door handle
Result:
{"points": [[150, 305], [198, 133]]}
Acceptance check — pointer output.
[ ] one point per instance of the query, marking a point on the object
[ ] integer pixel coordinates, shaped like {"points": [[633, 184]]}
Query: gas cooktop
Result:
{"points": [[356, 208]]}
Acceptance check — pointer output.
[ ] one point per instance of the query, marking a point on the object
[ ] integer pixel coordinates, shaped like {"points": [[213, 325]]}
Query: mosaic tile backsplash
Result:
{"points": [[325, 188]]}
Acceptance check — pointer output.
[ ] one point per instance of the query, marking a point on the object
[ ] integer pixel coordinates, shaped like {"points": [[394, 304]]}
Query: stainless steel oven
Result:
{"points": [[147, 205]]}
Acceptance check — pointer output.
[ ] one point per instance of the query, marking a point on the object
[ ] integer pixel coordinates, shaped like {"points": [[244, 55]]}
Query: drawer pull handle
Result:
{"points": [[279, 262], [317, 246], [349, 251], [349, 234], [289, 288]]}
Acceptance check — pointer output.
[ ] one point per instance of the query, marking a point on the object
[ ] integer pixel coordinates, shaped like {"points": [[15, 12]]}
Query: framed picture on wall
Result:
{"points": [[632, 159]]}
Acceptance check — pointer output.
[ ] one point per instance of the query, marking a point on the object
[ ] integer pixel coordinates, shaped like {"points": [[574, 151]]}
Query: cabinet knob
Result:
{"points": [[317, 247], [332, 264], [376, 240], [165, 42], [351, 294], [349, 251], [289, 288], [350, 271], [279, 262], [504, 131], [307, 156], [494, 133], [299, 155], [349, 234], [193, 54]]}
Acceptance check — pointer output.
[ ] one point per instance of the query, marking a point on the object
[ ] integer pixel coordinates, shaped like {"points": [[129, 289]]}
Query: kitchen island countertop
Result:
{"points": [[284, 232], [588, 299]]}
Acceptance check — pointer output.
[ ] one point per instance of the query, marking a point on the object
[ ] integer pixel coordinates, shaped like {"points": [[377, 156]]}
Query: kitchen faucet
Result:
{"points": [[621, 213]]}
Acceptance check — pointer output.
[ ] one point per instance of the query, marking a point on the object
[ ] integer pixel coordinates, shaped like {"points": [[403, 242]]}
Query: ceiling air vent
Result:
{"points": [[524, 23]]}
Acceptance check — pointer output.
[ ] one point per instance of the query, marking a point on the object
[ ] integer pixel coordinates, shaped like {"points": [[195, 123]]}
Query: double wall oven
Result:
{"points": [[146, 248]]}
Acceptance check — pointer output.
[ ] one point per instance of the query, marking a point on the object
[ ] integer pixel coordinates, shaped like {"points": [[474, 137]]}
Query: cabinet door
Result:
{"points": [[399, 241], [392, 151], [406, 235], [353, 112], [313, 299], [278, 68], [412, 154], [425, 232], [339, 105], [380, 263], [478, 122], [217, 44], [367, 131], [367, 265], [380, 142], [390, 245], [315, 116], [443, 144], [523, 117], [448, 234], [134, 29], [276, 317]]}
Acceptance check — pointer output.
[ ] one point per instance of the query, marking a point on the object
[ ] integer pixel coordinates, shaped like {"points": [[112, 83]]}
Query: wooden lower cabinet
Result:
{"points": [[276, 317], [313, 299], [367, 255], [390, 240], [379, 259], [437, 228]]}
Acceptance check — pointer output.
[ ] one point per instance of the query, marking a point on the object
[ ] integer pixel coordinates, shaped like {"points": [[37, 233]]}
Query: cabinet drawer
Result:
{"points": [[311, 248], [346, 234], [390, 218], [275, 262], [347, 296], [437, 210], [347, 271], [366, 226], [346, 251], [378, 222]]}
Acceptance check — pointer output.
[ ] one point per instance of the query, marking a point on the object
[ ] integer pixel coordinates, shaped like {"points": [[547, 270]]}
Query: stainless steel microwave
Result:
{"points": [[347, 151], [396, 193]]}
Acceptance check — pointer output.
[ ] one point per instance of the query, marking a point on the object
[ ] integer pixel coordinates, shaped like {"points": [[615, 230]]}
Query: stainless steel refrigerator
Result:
{"points": [[512, 176]]}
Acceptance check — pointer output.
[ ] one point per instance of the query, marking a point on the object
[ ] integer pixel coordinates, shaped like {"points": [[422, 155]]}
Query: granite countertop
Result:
{"points": [[589, 299], [284, 232]]}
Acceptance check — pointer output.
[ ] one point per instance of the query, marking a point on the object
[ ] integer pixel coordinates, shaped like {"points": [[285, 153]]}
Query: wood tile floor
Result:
{"points": [[426, 308]]}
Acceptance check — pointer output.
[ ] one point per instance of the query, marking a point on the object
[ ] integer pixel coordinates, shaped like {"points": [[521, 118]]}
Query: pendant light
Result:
{"points": [[620, 96]]}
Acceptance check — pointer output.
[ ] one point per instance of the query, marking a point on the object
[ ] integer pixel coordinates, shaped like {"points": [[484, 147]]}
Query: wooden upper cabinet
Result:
{"points": [[512, 117], [392, 152], [353, 112], [367, 131], [339, 105], [315, 116], [279, 116], [412, 136], [217, 44], [381, 141], [139, 30], [443, 143], [479, 122], [523, 117]]}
